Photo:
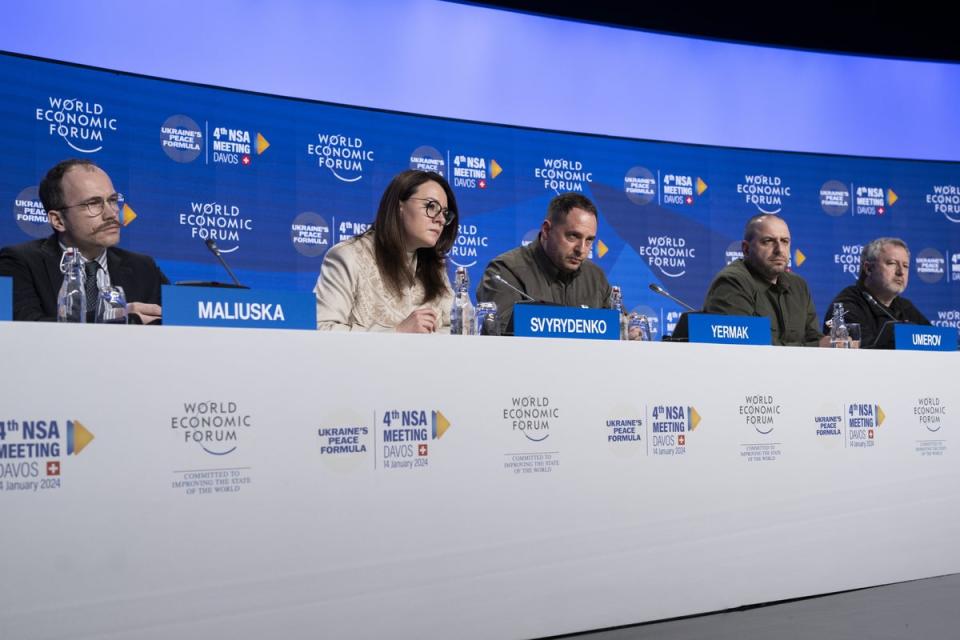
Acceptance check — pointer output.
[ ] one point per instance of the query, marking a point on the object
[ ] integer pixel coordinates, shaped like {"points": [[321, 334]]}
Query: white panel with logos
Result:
{"points": [[246, 483]]}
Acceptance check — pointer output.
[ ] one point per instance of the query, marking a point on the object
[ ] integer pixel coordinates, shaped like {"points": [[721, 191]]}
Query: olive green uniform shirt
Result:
{"points": [[531, 270], [739, 291]]}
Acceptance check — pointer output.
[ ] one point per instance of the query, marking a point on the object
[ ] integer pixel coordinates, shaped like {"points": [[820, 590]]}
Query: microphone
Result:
{"points": [[893, 320], [663, 292], [874, 302], [522, 294], [216, 251]]}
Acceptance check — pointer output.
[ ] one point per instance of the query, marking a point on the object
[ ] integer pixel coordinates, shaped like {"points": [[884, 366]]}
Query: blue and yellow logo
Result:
{"points": [[440, 424], [78, 437]]}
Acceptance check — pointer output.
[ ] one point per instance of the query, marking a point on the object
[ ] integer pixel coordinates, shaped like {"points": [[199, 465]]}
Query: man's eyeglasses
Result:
{"points": [[94, 206], [433, 209]]}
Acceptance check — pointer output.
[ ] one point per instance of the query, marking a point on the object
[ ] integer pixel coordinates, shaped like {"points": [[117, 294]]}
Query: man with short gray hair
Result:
{"points": [[875, 300]]}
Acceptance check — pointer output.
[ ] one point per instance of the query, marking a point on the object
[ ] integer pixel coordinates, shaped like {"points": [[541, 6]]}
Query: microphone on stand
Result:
{"points": [[520, 293], [681, 332], [507, 329], [663, 292], [215, 250], [874, 302], [892, 321]]}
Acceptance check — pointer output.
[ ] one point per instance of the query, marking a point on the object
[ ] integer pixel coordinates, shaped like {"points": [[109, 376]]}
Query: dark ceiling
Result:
{"points": [[907, 30]]}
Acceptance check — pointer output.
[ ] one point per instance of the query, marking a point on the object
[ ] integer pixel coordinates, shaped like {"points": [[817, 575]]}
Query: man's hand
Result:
{"points": [[146, 312], [422, 320]]}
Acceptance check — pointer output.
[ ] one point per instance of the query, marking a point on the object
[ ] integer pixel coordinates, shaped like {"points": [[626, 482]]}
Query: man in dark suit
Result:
{"points": [[83, 208]]}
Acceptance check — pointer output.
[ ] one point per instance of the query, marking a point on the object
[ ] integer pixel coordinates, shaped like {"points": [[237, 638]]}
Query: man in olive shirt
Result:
{"points": [[760, 285], [884, 272], [554, 267]]}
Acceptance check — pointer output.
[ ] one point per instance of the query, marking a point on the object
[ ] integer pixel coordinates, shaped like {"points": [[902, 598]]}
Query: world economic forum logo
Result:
{"points": [[81, 124], [766, 193], [531, 416], [945, 200], [215, 427], [469, 241], [346, 157]]}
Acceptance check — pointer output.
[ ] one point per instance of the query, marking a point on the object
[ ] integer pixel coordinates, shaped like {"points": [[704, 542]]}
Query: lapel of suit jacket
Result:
{"points": [[121, 275], [51, 261]]}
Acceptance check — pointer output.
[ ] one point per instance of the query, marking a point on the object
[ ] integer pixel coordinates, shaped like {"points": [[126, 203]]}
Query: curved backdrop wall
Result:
{"points": [[277, 181], [476, 63]]}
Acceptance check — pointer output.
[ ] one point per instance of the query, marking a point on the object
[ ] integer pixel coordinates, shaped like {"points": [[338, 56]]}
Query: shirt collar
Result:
{"points": [[100, 259]]}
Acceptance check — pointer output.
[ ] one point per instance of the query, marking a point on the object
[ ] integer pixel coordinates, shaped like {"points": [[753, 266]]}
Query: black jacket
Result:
{"points": [[35, 268], [871, 318]]}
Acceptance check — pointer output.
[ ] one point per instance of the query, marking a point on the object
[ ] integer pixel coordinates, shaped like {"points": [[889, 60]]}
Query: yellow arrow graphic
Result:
{"points": [[128, 215], [262, 143], [78, 437], [440, 424]]}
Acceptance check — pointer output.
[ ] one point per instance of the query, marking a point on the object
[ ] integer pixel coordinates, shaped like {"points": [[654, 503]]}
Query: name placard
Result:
{"points": [[546, 321], [6, 299], [254, 308], [705, 327], [923, 338]]}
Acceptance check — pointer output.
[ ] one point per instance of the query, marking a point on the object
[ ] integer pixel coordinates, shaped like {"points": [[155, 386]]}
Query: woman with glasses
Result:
{"points": [[393, 277]]}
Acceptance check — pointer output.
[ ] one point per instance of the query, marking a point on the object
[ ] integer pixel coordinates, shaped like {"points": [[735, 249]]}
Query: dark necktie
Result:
{"points": [[91, 289]]}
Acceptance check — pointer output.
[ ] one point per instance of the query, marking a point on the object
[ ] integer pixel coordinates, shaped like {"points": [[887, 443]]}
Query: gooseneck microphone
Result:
{"points": [[522, 294], [216, 251], [893, 320], [874, 302], [663, 292]]}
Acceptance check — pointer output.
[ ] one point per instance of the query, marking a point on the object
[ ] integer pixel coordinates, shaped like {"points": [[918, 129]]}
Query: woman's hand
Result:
{"points": [[423, 320]]}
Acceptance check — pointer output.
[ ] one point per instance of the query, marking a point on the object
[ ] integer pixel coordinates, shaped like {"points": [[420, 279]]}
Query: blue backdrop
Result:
{"points": [[277, 181]]}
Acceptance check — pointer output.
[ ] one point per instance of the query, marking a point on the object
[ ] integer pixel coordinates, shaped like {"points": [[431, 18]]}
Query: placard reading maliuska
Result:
{"points": [[548, 321], [255, 308]]}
